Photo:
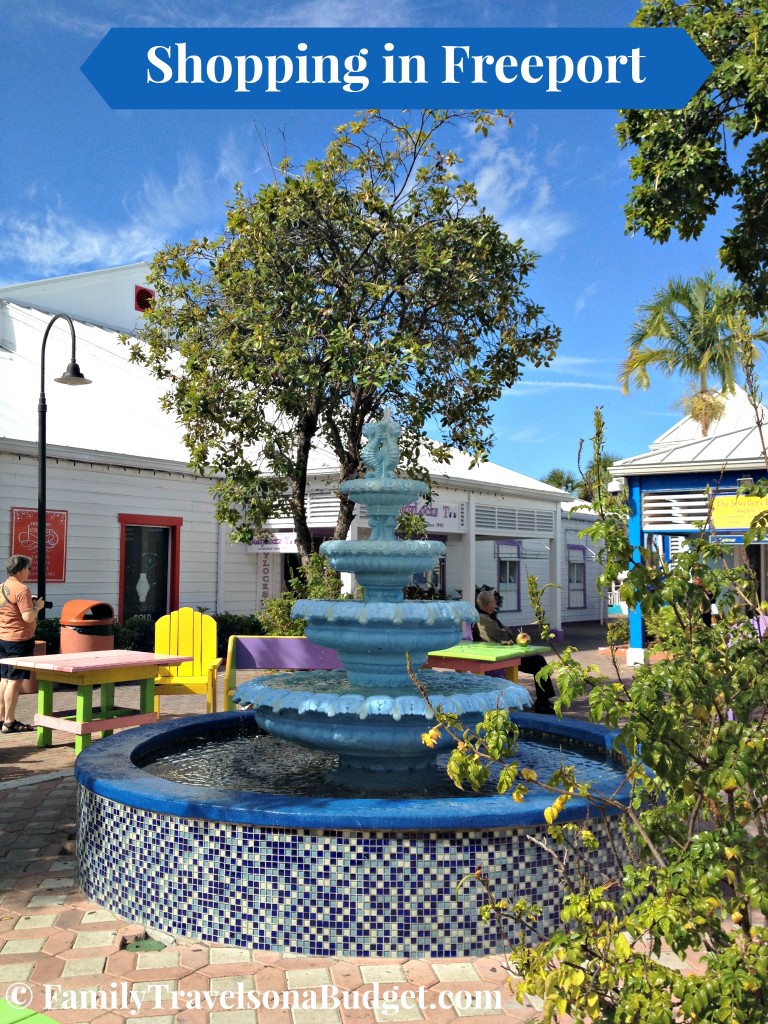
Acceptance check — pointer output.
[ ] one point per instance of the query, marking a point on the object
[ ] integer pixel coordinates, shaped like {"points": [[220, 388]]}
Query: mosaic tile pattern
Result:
{"points": [[324, 893]]}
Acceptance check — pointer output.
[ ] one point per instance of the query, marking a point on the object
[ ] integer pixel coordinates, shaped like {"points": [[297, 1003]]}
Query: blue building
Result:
{"points": [[688, 478]]}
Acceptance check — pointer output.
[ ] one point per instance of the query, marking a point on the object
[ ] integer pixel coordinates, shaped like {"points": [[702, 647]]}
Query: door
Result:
{"points": [[149, 566], [145, 582]]}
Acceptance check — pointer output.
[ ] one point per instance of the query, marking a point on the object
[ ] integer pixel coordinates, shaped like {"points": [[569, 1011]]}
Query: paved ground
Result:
{"points": [[73, 961]]}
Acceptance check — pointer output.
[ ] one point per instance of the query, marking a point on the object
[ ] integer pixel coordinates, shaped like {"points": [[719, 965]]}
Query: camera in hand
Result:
{"points": [[46, 604]]}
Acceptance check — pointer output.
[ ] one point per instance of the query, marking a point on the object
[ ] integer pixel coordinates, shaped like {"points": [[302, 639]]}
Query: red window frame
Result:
{"points": [[174, 523]]}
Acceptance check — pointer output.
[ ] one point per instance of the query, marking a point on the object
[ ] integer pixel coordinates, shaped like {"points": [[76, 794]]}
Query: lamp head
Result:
{"points": [[72, 375]]}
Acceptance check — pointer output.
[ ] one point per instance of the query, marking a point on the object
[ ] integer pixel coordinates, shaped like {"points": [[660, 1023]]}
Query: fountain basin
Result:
{"points": [[361, 726], [383, 496], [373, 637], [319, 876]]}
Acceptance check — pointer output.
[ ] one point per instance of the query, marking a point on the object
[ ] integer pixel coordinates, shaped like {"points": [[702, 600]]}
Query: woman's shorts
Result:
{"points": [[15, 649]]}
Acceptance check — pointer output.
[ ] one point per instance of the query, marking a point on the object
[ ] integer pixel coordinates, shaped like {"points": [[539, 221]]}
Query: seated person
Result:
{"points": [[493, 632]]}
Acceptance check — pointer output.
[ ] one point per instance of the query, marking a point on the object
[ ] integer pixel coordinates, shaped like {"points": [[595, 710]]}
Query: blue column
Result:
{"points": [[635, 534]]}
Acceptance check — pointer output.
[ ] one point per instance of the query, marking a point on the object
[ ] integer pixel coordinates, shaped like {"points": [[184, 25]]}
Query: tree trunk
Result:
{"points": [[298, 500], [345, 517]]}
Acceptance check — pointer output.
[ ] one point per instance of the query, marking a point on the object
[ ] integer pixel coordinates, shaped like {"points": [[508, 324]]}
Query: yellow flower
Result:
{"points": [[429, 739]]}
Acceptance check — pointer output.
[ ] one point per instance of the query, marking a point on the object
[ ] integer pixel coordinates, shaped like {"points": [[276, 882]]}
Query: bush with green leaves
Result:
{"points": [[49, 631], [229, 624], [617, 633], [136, 633], [693, 877], [316, 580]]}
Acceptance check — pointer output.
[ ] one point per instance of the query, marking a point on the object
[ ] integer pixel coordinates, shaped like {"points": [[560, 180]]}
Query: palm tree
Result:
{"points": [[563, 479], [702, 333], [595, 478]]}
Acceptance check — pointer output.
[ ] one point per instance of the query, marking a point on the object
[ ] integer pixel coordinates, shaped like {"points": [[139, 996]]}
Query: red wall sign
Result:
{"points": [[24, 541]]}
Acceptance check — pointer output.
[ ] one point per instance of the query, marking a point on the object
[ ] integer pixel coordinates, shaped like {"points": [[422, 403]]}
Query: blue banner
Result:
{"points": [[177, 68]]}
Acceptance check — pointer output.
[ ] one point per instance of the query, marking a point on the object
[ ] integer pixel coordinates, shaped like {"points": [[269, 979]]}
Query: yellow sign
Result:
{"points": [[736, 511]]}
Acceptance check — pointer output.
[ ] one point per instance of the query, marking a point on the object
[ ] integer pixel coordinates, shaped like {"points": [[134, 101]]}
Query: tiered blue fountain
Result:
{"points": [[367, 861], [372, 714]]}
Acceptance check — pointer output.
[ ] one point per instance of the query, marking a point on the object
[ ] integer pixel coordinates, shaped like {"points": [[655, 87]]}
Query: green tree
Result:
{"points": [[685, 162], [562, 478], [700, 332], [693, 871], [365, 280], [592, 487]]}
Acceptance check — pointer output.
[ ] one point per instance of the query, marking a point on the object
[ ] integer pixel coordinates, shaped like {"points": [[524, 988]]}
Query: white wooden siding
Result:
{"points": [[94, 495], [594, 609]]}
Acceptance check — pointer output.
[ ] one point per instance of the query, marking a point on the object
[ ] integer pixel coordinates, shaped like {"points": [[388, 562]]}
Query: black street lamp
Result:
{"points": [[71, 375]]}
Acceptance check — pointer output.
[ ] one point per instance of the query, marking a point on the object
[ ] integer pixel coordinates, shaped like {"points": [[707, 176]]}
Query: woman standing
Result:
{"points": [[18, 619]]}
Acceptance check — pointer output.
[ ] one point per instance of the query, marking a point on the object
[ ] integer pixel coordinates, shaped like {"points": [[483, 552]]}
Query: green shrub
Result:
{"points": [[316, 580], [617, 633], [692, 867], [660, 624], [135, 634], [48, 630], [228, 624]]}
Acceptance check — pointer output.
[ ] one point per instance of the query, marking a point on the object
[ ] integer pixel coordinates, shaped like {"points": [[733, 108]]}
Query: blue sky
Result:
{"points": [[85, 187]]}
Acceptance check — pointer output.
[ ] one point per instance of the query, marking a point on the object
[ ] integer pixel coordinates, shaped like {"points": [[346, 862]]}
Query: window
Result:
{"points": [[149, 565], [577, 576], [508, 574]]}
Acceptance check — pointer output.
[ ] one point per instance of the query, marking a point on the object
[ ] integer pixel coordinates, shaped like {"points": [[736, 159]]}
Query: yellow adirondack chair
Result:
{"points": [[191, 634]]}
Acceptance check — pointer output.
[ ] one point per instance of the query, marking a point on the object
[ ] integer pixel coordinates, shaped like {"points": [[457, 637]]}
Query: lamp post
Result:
{"points": [[71, 375]]}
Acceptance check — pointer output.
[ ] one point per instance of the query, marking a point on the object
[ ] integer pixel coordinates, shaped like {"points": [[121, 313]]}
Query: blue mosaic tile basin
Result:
{"points": [[312, 875]]}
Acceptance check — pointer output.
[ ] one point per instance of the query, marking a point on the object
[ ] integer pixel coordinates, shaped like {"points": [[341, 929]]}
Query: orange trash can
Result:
{"points": [[87, 626]]}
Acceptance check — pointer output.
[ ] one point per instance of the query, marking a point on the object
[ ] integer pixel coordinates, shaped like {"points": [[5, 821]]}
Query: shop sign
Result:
{"points": [[275, 544], [24, 541], [736, 511], [440, 516]]}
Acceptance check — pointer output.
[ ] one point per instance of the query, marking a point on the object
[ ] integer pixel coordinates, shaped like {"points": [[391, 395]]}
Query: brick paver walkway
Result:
{"points": [[73, 961]]}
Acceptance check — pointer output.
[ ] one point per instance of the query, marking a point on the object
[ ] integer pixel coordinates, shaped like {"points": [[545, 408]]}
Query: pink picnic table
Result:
{"points": [[85, 670]]}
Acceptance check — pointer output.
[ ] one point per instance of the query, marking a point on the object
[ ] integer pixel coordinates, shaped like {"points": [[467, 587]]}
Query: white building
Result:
{"points": [[131, 525]]}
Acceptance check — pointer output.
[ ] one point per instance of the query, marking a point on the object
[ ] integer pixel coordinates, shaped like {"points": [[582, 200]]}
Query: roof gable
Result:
{"points": [[105, 298], [734, 441]]}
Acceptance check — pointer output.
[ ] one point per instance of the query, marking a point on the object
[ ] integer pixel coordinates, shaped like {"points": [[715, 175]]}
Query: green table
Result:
{"points": [[481, 658]]}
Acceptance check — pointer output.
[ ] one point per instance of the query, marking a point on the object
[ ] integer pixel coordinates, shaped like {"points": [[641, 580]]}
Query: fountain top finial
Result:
{"points": [[382, 453]]}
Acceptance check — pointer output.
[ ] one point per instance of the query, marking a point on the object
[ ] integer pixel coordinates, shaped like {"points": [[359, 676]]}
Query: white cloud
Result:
{"points": [[536, 385], [342, 14], [525, 435], [156, 212], [585, 296], [571, 364], [511, 184], [238, 161], [94, 19], [55, 243]]}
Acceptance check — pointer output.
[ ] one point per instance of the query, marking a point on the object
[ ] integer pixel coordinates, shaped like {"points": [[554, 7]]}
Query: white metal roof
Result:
{"points": [[734, 441], [104, 298], [121, 411]]}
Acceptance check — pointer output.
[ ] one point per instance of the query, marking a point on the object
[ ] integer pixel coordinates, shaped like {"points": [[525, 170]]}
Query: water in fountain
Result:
{"points": [[372, 714]]}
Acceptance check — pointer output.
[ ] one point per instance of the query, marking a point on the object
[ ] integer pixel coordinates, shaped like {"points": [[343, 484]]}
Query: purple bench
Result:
{"points": [[272, 652]]}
